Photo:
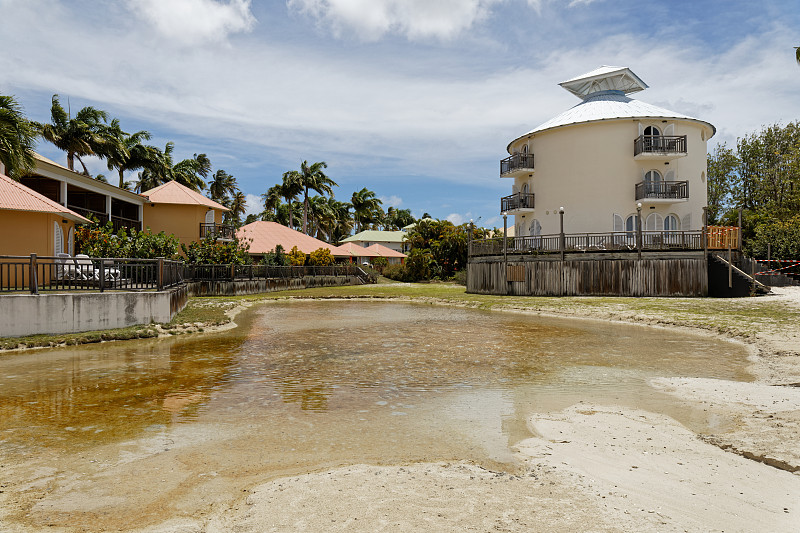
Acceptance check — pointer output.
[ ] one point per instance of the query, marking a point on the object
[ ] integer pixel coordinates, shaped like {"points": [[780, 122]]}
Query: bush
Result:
{"points": [[396, 272], [296, 257], [321, 257], [460, 277], [209, 251], [276, 257], [379, 263], [784, 236], [100, 241]]}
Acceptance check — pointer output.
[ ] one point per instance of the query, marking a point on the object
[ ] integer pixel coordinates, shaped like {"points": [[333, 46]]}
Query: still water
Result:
{"points": [[302, 385]]}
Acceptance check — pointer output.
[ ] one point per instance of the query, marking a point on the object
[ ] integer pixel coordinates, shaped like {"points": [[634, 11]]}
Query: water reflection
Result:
{"points": [[342, 358]]}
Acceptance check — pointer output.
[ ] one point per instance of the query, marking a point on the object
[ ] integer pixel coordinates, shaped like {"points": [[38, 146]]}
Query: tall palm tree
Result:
{"points": [[238, 207], [290, 189], [81, 136], [313, 178], [222, 185], [191, 172], [797, 54], [128, 153], [365, 208], [272, 199], [159, 170], [16, 139]]}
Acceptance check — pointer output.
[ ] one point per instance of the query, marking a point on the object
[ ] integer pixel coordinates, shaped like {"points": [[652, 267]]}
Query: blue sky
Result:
{"points": [[414, 99]]}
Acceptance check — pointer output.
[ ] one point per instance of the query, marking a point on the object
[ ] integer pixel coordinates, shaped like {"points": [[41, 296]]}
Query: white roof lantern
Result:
{"points": [[605, 78]]}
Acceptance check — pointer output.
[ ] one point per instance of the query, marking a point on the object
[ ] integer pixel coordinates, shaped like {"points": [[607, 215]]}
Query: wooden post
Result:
{"points": [[704, 234], [233, 272], [739, 243], [160, 274], [505, 251], [562, 244], [102, 279], [769, 253], [33, 281], [639, 231], [730, 262]]}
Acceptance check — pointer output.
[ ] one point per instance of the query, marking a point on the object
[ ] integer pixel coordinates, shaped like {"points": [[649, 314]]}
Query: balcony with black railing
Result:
{"points": [[220, 231], [516, 162], [659, 145], [520, 201], [662, 190]]}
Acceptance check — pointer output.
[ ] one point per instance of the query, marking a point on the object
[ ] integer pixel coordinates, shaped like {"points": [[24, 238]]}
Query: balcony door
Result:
{"points": [[653, 183], [652, 139]]}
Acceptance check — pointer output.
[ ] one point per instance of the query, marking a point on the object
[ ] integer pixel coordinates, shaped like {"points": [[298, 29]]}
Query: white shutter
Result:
{"points": [[71, 241], [686, 222], [641, 128], [669, 130], [654, 222], [58, 239], [619, 224], [669, 176], [535, 228], [209, 216]]}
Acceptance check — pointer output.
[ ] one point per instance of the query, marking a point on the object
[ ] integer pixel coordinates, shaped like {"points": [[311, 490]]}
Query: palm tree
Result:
{"points": [[313, 178], [159, 170], [190, 172], [16, 139], [272, 199], [365, 208], [83, 135], [238, 207], [222, 184], [797, 54], [128, 153], [290, 188]]}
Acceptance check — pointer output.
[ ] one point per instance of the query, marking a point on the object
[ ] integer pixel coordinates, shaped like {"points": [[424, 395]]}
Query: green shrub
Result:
{"points": [[379, 263], [396, 272], [100, 241], [209, 251], [296, 257], [321, 257]]}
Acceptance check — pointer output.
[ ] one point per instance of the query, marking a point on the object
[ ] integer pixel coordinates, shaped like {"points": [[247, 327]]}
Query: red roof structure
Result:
{"points": [[173, 192], [265, 236], [383, 251], [350, 249], [15, 196]]}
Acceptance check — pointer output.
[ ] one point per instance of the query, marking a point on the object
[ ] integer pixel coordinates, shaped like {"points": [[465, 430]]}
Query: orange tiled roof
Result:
{"points": [[350, 249], [15, 196], [173, 192], [266, 235], [383, 251]]}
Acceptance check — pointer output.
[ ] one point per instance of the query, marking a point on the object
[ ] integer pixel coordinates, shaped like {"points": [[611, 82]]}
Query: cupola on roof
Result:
{"points": [[605, 78]]}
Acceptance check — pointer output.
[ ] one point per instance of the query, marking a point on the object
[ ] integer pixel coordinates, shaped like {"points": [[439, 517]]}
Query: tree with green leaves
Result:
{"points": [[312, 178], [271, 199], [160, 169], [366, 208], [238, 207], [127, 153], [83, 135], [222, 186], [17, 139], [291, 187], [722, 165]]}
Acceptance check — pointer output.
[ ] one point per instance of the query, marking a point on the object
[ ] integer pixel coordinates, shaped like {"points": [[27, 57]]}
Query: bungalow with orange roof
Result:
{"points": [[392, 256], [33, 223], [190, 216], [264, 236]]}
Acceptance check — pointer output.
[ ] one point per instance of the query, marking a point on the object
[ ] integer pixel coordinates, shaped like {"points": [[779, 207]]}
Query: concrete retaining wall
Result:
{"points": [[29, 314]]}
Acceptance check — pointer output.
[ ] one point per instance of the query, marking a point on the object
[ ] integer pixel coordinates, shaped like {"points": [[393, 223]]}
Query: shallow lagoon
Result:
{"points": [[302, 386]]}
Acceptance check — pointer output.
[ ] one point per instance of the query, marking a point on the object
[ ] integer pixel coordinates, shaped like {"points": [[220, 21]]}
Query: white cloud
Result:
{"points": [[458, 219], [414, 19], [195, 21], [391, 201], [254, 204]]}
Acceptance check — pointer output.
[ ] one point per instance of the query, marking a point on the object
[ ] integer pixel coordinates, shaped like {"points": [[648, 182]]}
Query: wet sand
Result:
{"points": [[586, 464]]}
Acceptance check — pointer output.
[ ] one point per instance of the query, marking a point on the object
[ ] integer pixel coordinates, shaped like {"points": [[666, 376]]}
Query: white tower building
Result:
{"points": [[602, 157]]}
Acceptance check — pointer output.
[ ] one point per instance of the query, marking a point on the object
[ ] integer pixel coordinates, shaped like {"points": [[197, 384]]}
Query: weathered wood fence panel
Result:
{"points": [[576, 277]]}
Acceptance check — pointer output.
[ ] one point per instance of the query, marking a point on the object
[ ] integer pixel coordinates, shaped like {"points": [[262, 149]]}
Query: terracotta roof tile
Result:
{"points": [[173, 192], [266, 235], [383, 251]]}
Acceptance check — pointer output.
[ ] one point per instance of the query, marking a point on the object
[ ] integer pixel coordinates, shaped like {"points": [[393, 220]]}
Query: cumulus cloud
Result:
{"points": [[254, 204], [195, 21], [391, 201], [414, 19]]}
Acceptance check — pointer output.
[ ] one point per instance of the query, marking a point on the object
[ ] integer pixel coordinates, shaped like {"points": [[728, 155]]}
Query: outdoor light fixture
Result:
{"points": [[561, 210]]}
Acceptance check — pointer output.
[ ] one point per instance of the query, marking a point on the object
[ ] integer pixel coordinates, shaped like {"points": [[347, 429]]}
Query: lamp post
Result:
{"points": [[639, 230], [561, 238], [505, 251]]}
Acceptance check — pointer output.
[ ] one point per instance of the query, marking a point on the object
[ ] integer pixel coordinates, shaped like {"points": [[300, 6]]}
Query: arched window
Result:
{"points": [[535, 228], [58, 239], [653, 183], [524, 148], [651, 138], [524, 188], [654, 222], [631, 223], [651, 131], [671, 223]]}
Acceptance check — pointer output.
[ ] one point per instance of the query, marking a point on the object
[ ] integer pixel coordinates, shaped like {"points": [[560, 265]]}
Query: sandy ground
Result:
{"points": [[588, 468]]}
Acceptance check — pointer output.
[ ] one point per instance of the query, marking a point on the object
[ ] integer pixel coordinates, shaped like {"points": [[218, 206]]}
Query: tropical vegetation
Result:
{"points": [[17, 137]]}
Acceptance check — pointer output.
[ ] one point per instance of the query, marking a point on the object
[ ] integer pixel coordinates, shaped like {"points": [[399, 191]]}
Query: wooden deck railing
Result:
{"points": [[659, 144], [591, 242], [519, 200], [516, 161], [723, 237], [675, 190]]}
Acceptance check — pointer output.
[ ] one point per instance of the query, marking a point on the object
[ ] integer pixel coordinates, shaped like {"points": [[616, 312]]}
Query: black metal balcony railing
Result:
{"points": [[675, 190], [220, 231], [102, 218], [659, 144], [127, 223], [516, 161], [520, 200]]}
